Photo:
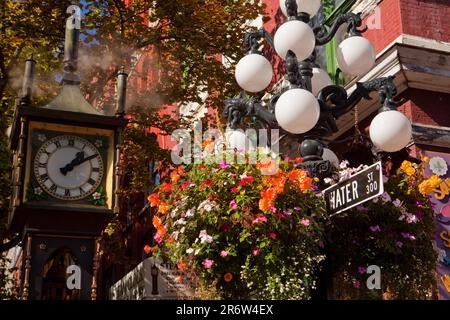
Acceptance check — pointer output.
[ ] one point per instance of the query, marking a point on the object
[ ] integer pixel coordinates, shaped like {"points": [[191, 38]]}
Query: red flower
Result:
{"points": [[147, 249], [245, 180], [167, 187], [207, 182], [234, 190]]}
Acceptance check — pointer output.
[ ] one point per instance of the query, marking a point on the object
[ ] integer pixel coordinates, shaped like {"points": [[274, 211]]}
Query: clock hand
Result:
{"points": [[69, 167], [77, 161], [88, 158]]}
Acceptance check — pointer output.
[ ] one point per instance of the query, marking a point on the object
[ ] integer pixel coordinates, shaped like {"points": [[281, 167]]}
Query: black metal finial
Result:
{"points": [[71, 44], [27, 84], [121, 92]]}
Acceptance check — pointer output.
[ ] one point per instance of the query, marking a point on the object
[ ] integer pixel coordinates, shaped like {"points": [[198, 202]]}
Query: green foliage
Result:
{"points": [[183, 42]]}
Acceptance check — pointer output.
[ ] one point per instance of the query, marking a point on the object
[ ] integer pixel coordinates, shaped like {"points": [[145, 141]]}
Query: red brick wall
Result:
{"points": [[390, 25], [426, 18], [427, 107], [423, 18]]}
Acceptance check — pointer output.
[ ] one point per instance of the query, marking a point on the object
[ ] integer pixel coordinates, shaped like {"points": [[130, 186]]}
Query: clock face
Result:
{"points": [[68, 167]]}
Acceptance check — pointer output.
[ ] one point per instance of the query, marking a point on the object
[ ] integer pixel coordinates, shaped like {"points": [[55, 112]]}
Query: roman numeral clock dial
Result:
{"points": [[68, 167]]}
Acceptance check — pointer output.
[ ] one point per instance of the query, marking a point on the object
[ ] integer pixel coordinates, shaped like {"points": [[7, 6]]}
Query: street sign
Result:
{"points": [[361, 187]]}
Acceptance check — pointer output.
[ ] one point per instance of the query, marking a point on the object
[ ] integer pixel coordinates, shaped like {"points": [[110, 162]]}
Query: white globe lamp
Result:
{"points": [[253, 73], [390, 131], [297, 111], [296, 36], [355, 56], [311, 7], [237, 139], [330, 156], [319, 80]]}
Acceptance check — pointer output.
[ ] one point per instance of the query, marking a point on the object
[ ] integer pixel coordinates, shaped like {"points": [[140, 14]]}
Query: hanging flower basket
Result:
{"points": [[252, 236]]}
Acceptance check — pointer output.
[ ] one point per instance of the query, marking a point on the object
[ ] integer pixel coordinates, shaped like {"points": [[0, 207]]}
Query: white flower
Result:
{"points": [[189, 213], [204, 237], [175, 235], [386, 197], [98, 143], [207, 207], [344, 164], [196, 252], [180, 221], [96, 195], [375, 200], [182, 229], [189, 251], [385, 179], [329, 181], [38, 191], [397, 203], [42, 137]]}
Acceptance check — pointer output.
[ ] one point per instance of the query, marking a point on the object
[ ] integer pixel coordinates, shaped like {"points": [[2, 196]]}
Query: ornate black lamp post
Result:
{"points": [[308, 109]]}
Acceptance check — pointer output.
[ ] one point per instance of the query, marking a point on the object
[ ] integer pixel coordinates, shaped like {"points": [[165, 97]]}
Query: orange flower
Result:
{"points": [[267, 199], [174, 177], [156, 221], [296, 175], [179, 278], [181, 266], [161, 230], [305, 184], [147, 249], [153, 198], [298, 160], [228, 277], [163, 207], [180, 171]]}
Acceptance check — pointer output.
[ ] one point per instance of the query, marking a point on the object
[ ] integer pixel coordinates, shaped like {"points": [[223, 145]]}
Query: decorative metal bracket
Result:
{"points": [[323, 36]]}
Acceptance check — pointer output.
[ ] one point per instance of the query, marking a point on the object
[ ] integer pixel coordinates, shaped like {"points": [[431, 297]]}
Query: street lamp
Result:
{"points": [[307, 110]]}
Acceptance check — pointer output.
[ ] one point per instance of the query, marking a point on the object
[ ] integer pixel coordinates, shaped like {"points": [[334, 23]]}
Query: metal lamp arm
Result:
{"points": [[238, 108], [323, 36], [334, 99], [251, 40]]}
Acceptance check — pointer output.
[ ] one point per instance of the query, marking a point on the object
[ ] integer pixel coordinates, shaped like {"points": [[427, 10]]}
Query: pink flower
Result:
{"points": [[287, 213], [256, 252], [273, 209], [399, 244], [356, 284], [304, 222], [157, 238], [273, 235], [223, 164], [234, 190], [224, 253], [375, 228], [362, 270], [233, 204], [207, 263], [259, 219]]}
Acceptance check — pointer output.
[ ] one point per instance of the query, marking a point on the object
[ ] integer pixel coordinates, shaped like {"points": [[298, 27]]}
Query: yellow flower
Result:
{"points": [[410, 171], [426, 159], [425, 187], [405, 165], [434, 181]]}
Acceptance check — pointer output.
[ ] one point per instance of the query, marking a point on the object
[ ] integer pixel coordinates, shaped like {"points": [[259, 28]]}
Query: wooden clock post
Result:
{"points": [[65, 183]]}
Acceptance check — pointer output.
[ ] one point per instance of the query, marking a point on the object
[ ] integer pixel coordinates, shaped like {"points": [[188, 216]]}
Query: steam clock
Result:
{"points": [[65, 181]]}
